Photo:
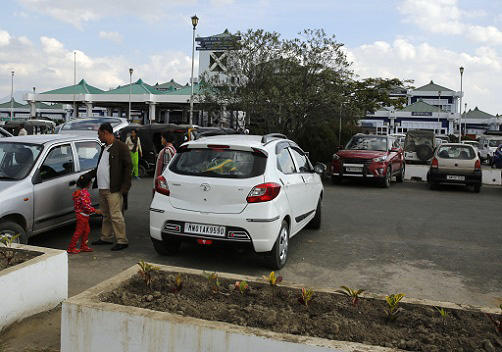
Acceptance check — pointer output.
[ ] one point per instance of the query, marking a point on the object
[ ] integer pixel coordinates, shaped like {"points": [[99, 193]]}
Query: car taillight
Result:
{"points": [[264, 192], [161, 186], [477, 165], [434, 163]]}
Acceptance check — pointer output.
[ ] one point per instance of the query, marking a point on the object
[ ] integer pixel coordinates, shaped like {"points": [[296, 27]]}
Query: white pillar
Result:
{"points": [[75, 110], [168, 112], [151, 114], [109, 111], [33, 109], [88, 106]]}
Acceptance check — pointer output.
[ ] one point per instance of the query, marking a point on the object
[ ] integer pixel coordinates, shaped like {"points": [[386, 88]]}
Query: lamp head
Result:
{"points": [[131, 71], [461, 70], [195, 20]]}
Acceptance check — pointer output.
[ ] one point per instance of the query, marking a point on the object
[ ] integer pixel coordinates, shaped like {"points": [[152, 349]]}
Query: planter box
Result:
{"points": [[91, 325], [34, 286]]}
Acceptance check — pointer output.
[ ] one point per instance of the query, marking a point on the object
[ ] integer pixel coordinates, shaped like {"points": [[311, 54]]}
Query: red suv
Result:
{"points": [[369, 157]]}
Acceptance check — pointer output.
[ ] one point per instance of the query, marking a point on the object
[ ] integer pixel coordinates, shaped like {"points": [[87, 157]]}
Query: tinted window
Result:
{"points": [[17, 159], [89, 124], [368, 143], [285, 163], [88, 154], [301, 160], [59, 162], [463, 152], [218, 163]]}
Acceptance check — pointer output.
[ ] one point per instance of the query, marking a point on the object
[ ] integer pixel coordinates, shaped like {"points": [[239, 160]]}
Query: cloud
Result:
{"points": [[79, 12], [4, 38], [424, 62], [446, 17], [111, 36]]}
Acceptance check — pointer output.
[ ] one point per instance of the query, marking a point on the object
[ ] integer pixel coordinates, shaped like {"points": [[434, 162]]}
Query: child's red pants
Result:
{"points": [[81, 231]]}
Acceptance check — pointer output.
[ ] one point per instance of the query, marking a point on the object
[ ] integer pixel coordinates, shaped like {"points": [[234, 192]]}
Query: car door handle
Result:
{"points": [[72, 183]]}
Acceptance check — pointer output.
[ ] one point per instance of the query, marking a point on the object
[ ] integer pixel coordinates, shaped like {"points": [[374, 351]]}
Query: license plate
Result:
{"points": [[455, 178], [354, 169], [202, 229], [408, 155]]}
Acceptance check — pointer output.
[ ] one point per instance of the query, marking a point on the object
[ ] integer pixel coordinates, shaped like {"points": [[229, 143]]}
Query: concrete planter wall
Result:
{"points": [[34, 286], [87, 324]]}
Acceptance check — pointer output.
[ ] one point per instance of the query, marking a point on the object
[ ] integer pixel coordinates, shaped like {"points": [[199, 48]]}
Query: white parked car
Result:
{"points": [[249, 190]]}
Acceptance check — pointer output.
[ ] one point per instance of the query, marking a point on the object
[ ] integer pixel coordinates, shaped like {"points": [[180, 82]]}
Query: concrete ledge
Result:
{"points": [[87, 324], [34, 286]]}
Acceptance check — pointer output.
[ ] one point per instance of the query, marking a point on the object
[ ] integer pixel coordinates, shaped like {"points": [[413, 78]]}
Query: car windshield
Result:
{"points": [[17, 159], [462, 152], [90, 124], [368, 143], [494, 143], [218, 163]]}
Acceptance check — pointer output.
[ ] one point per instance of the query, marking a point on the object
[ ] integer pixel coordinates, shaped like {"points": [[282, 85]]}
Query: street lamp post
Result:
{"points": [[130, 84], [461, 94], [439, 110], [465, 121], [340, 126], [12, 95], [75, 112], [195, 20]]}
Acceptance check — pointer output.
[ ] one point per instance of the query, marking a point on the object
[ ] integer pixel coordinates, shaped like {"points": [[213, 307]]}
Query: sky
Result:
{"points": [[421, 40]]}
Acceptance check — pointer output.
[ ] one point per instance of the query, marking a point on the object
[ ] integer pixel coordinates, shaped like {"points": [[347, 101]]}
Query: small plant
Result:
{"points": [[306, 295], [145, 271], [393, 308], [9, 253], [353, 294], [272, 279], [178, 283], [213, 282], [444, 314], [242, 286]]}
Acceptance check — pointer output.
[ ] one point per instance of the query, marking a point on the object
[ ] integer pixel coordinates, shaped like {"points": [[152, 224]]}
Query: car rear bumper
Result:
{"points": [[248, 228], [442, 177]]}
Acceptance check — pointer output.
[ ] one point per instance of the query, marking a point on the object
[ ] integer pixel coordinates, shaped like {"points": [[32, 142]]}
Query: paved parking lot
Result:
{"points": [[443, 245]]}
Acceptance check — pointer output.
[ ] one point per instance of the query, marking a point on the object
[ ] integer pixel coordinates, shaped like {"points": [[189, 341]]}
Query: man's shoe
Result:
{"points": [[119, 247], [100, 242]]}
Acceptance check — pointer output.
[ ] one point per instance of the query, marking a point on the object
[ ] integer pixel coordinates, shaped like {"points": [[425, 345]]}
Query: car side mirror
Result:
{"points": [[320, 168]]}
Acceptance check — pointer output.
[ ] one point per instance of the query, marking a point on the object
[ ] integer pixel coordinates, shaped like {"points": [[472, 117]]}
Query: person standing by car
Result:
{"points": [[165, 155], [113, 176], [134, 144], [22, 130]]}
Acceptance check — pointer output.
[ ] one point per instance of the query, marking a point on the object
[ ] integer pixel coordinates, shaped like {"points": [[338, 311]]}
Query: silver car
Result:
{"points": [[90, 126], [38, 175]]}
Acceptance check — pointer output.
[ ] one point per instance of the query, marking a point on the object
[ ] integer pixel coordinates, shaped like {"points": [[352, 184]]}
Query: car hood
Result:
{"points": [[363, 154]]}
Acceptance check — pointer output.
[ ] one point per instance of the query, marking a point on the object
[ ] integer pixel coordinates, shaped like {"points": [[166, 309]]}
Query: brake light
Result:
{"points": [[264, 192], [161, 186], [217, 146], [435, 163], [477, 165]]}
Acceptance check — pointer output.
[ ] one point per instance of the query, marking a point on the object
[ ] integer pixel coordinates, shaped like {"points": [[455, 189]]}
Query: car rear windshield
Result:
{"points": [[224, 163], [90, 125], [368, 143], [463, 152], [494, 143]]}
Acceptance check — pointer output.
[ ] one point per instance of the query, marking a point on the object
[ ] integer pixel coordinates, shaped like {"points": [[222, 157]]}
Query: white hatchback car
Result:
{"points": [[248, 190]]}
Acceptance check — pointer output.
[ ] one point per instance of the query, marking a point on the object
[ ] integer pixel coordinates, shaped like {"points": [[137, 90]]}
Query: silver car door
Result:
{"points": [[87, 155]]}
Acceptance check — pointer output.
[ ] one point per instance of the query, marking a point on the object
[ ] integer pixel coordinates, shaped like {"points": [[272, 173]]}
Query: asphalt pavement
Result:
{"points": [[443, 245]]}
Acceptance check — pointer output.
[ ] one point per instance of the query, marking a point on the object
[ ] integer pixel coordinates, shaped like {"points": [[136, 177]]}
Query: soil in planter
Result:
{"points": [[330, 316], [20, 256]]}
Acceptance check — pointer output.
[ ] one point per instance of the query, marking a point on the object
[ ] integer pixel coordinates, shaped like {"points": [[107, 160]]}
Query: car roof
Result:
{"points": [[45, 138], [245, 140]]}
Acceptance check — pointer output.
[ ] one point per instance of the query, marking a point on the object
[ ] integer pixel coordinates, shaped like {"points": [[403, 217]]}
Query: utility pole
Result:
{"points": [[12, 95], [461, 94], [75, 112], [195, 20]]}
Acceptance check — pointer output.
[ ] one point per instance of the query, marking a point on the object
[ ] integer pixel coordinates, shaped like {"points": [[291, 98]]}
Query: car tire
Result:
{"points": [[11, 228], [170, 247], [477, 188], [400, 177], [388, 177], [278, 256], [315, 223], [336, 180]]}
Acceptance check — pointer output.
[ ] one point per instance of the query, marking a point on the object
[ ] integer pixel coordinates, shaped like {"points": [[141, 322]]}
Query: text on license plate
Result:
{"points": [[202, 229], [354, 169], [455, 178]]}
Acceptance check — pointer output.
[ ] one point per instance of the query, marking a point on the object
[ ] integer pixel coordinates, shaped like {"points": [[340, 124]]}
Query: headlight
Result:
{"points": [[336, 157], [380, 159]]}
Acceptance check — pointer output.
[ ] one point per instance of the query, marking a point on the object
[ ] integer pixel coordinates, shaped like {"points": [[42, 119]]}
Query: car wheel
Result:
{"points": [[10, 228], [278, 256], [477, 188], [315, 223], [170, 247], [336, 180], [400, 177], [142, 171], [387, 178]]}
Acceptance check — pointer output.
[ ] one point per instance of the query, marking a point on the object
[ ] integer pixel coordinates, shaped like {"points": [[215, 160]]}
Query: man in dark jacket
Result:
{"points": [[113, 178]]}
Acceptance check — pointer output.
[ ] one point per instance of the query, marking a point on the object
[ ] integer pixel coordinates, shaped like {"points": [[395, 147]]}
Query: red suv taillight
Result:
{"points": [[161, 186], [477, 165], [264, 192], [434, 163]]}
